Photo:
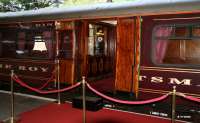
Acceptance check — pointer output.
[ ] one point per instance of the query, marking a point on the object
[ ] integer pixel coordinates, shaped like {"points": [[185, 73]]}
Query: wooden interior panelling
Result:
{"points": [[125, 54], [66, 71], [112, 46], [183, 51]]}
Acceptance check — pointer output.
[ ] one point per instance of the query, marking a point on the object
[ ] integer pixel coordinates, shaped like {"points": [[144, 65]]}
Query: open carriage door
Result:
{"points": [[81, 28], [128, 55], [65, 41], [95, 52]]}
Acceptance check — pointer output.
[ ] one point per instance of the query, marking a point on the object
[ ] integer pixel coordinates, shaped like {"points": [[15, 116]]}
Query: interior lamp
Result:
{"points": [[39, 46], [99, 32]]}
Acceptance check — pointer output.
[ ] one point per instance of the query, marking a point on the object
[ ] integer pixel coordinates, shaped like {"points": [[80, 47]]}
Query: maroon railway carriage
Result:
{"points": [[156, 42]]}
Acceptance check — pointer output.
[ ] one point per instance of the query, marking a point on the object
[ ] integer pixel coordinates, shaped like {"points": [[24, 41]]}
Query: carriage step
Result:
{"points": [[92, 103]]}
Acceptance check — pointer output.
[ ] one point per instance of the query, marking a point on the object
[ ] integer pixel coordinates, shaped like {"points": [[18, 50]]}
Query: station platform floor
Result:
{"points": [[35, 109]]}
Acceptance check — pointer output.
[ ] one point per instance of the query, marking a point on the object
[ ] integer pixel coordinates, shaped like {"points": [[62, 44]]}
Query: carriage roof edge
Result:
{"points": [[106, 10]]}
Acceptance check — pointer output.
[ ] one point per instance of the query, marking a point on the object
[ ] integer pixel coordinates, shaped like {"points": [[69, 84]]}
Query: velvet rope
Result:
{"points": [[42, 91], [49, 80], [127, 102], [189, 97]]}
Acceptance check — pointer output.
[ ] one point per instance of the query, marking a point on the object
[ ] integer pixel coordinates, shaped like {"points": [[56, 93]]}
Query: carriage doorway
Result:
{"points": [[101, 49]]}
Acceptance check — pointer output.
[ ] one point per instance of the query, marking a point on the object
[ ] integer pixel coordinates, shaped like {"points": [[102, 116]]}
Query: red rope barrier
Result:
{"points": [[47, 82], [127, 102], [189, 97], [43, 92]]}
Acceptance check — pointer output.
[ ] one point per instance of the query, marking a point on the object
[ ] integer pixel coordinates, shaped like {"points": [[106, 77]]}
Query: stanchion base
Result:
{"points": [[59, 102], [10, 120]]}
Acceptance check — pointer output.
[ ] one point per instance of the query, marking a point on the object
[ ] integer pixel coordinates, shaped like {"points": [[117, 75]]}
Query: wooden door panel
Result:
{"points": [[67, 71], [125, 54]]}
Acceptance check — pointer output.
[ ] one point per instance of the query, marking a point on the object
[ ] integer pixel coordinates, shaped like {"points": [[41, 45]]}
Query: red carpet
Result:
{"points": [[64, 113]]}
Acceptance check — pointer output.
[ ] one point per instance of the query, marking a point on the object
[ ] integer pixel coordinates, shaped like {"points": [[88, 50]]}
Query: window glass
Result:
{"points": [[161, 42], [66, 44], [8, 42], [181, 31], [33, 41], [176, 45], [196, 31]]}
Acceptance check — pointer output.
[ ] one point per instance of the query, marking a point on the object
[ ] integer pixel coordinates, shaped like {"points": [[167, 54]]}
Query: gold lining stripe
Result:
{"points": [[11, 60], [27, 77], [165, 92], [171, 69]]}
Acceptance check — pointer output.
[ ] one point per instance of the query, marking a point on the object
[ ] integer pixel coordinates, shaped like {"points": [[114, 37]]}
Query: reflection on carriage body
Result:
{"points": [[145, 51]]}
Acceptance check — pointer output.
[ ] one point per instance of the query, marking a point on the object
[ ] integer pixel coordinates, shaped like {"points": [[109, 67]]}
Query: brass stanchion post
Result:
{"points": [[58, 80], [84, 99], [12, 108], [174, 104], [12, 97], [58, 26]]}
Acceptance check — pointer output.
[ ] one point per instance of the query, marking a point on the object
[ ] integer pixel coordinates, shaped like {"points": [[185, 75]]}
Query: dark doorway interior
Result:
{"points": [[101, 49], [101, 53]]}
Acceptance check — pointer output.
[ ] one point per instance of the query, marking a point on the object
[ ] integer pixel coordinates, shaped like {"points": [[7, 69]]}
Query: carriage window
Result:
{"points": [[7, 43], [27, 42], [176, 44], [196, 31], [35, 44], [66, 47]]}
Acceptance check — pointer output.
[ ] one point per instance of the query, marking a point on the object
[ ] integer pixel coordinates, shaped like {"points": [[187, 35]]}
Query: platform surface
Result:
{"points": [[23, 103]]}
